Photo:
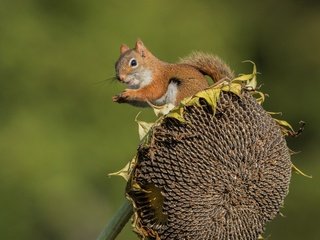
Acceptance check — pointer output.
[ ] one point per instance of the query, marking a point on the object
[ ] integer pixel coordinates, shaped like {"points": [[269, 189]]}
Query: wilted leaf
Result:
{"points": [[243, 78], [186, 100], [143, 127], [177, 113], [233, 87], [300, 172], [275, 113], [162, 110], [211, 95], [136, 187], [249, 79], [286, 127], [252, 83], [125, 172], [260, 96], [284, 124], [293, 152]]}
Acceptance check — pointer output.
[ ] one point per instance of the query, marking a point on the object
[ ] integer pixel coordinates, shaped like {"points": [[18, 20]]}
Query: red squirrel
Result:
{"points": [[152, 81]]}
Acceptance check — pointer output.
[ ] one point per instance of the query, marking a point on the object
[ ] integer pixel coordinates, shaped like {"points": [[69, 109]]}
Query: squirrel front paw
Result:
{"points": [[122, 97], [115, 98], [118, 99]]}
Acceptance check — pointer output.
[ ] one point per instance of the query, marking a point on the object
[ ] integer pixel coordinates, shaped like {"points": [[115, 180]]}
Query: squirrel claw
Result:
{"points": [[119, 98], [116, 98]]}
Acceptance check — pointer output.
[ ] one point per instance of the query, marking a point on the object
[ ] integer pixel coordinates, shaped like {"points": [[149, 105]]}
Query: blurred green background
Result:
{"points": [[60, 133]]}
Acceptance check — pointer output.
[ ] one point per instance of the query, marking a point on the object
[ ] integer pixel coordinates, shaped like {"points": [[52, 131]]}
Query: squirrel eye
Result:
{"points": [[133, 62]]}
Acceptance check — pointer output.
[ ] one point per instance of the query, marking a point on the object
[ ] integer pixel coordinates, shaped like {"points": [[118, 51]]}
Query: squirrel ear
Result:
{"points": [[140, 48], [123, 48]]}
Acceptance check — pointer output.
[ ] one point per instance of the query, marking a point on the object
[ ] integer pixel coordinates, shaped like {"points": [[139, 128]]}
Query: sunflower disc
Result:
{"points": [[214, 176]]}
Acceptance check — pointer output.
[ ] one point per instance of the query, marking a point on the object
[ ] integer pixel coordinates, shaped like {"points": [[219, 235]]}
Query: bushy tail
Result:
{"points": [[209, 65]]}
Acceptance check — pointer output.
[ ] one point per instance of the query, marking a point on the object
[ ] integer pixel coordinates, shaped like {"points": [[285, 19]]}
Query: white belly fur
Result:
{"points": [[170, 96]]}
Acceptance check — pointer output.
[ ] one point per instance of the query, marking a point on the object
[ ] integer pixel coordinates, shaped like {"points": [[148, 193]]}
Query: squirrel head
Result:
{"points": [[132, 65]]}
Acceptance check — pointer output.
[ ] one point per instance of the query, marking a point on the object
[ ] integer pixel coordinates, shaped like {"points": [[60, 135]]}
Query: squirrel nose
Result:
{"points": [[120, 77]]}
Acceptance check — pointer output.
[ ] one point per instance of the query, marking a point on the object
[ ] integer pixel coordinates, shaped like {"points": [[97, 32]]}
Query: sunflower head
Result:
{"points": [[221, 173]]}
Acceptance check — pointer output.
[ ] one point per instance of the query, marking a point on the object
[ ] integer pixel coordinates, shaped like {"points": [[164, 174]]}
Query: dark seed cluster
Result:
{"points": [[217, 176]]}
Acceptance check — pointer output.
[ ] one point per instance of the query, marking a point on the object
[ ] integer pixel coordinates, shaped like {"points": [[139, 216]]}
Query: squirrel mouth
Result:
{"points": [[132, 82], [124, 81]]}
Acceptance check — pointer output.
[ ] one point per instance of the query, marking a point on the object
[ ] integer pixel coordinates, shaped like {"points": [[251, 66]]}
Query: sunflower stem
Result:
{"points": [[118, 221]]}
